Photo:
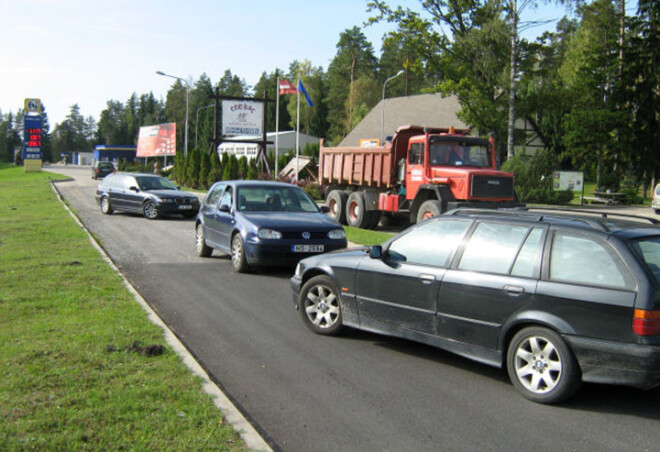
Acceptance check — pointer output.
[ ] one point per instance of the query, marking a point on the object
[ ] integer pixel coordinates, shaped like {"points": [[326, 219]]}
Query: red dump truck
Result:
{"points": [[420, 173]]}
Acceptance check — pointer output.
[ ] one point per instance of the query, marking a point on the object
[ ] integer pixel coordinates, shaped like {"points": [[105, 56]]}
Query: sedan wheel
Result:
{"points": [[238, 261], [203, 250], [320, 307], [150, 211], [106, 208], [542, 367]]}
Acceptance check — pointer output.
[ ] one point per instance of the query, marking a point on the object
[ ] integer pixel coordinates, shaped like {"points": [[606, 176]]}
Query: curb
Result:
{"points": [[232, 414]]}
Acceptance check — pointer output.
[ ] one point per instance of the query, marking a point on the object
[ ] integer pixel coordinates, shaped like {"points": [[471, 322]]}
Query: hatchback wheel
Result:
{"points": [[542, 367], [203, 250], [106, 208], [238, 260], [150, 211], [320, 307]]}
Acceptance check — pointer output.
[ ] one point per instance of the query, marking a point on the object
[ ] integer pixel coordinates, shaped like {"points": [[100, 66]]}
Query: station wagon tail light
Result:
{"points": [[646, 323]]}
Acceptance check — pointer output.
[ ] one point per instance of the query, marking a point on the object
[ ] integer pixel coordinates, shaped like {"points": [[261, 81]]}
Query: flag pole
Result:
{"points": [[277, 126], [297, 129]]}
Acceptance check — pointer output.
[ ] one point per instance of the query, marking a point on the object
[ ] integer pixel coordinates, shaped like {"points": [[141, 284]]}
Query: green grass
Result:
{"points": [[366, 237], [70, 378]]}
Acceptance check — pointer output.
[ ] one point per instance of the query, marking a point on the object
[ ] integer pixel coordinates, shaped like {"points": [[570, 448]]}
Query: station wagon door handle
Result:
{"points": [[514, 291], [426, 279]]}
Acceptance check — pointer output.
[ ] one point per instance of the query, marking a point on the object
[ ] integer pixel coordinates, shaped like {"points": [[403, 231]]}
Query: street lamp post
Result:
{"points": [[382, 113], [185, 138], [197, 120]]}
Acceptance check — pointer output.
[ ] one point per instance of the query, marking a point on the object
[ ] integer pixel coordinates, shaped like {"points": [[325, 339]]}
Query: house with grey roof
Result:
{"points": [[426, 110]]}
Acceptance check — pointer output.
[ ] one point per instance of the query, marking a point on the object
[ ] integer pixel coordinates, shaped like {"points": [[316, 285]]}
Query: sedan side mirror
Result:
{"points": [[325, 209], [376, 252]]}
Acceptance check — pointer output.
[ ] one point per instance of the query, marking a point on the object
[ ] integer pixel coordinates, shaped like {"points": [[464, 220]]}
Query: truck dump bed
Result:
{"points": [[368, 166]]}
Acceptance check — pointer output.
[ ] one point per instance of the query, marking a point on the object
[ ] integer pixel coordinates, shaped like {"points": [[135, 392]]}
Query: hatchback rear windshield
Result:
{"points": [[649, 250]]}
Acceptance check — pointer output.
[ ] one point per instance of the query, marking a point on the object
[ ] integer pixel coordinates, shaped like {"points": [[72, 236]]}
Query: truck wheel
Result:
{"points": [[337, 205], [429, 209], [356, 215]]}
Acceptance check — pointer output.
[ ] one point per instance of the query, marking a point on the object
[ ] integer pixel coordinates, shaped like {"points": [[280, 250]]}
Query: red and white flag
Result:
{"points": [[287, 88]]}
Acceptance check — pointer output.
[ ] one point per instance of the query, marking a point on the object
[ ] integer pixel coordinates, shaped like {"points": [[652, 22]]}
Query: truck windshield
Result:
{"points": [[450, 153]]}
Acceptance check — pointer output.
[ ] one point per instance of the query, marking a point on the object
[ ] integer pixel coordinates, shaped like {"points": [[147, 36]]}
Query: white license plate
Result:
{"points": [[307, 248], [185, 207]]}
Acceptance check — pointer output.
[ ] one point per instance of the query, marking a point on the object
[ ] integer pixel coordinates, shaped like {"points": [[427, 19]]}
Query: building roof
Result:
{"points": [[426, 110]]}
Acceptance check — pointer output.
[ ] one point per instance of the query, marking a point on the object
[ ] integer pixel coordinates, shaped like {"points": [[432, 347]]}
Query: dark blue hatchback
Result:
{"points": [[264, 224]]}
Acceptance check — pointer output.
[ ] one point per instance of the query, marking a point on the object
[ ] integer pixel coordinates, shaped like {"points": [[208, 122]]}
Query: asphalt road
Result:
{"points": [[361, 391]]}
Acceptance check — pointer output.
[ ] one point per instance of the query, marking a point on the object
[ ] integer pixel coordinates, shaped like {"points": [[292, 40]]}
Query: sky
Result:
{"points": [[88, 52]]}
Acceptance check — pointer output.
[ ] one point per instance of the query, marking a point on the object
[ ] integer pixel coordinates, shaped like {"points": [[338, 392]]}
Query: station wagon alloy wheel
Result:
{"points": [[319, 306], [541, 366]]}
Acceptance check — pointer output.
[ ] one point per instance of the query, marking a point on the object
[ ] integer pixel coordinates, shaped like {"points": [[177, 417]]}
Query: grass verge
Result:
{"points": [[82, 367], [365, 236]]}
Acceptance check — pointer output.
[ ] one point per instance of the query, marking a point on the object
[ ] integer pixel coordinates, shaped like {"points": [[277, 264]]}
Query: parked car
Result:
{"points": [[102, 169], [655, 199], [556, 298], [263, 224], [152, 196]]}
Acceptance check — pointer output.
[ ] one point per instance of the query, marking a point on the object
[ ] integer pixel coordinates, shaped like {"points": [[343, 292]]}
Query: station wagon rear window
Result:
{"points": [[649, 250]]}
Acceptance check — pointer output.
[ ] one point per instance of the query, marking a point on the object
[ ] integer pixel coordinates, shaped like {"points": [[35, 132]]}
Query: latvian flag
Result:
{"points": [[287, 88]]}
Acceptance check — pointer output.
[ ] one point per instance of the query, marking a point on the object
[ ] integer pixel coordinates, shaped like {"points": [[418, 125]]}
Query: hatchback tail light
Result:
{"points": [[646, 323]]}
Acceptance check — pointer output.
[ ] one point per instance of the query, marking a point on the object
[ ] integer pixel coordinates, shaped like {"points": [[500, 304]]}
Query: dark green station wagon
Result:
{"points": [[556, 297]]}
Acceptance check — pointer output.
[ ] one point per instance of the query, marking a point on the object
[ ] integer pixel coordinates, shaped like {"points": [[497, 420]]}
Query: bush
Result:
{"points": [[312, 189], [533, 178]]}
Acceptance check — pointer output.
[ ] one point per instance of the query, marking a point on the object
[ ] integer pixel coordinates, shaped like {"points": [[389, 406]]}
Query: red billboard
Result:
{"points": [[157, 141]]}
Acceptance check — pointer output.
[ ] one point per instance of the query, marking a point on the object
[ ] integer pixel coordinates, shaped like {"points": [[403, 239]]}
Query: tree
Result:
{"points": [[471, 65], [74, 134], [232, 85], [591, 72], [354, 59], [230, 170], [312, 120], [9, 138], [642, 76], [175, 111]]}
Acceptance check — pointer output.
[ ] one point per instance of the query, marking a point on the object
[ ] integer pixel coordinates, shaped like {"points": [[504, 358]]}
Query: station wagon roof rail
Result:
{"points": [[598, 220]]}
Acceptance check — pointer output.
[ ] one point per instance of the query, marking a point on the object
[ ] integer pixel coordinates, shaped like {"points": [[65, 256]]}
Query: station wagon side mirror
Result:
{"points": [[376, 252], [224, 208], [134, 188], [325, 209]]}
